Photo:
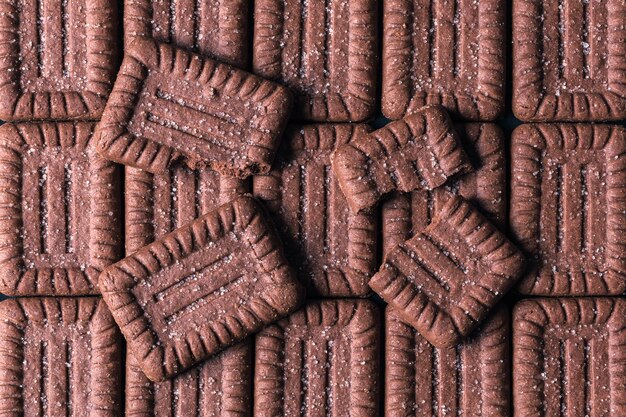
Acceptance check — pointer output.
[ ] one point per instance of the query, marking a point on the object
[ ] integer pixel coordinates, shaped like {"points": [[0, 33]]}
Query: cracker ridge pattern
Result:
{"points": [[165, 345], [147, 120], [45, 254], [424, 62]]}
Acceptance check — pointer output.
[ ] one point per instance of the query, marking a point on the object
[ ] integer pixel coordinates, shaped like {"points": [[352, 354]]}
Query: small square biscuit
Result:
{"points": [[333, 250], [470, 379], [59, 58], [450, 53], [404, 215], [569, 357], [201, 288], [157, 204], [569, 60], [60, 209], [326, 51], [446, 279], [323, 359], [220, 386], [218, 29], [568, 209], [169, 105], [60, 357]]}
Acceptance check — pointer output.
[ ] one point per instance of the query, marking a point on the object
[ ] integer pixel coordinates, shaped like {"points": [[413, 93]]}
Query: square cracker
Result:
{"points": [[569, 60], [569, 354], [450, 53], [470, 379], [324, 50], [169, 105], [322, 359], [404, 215], [218, 29], [568, 209], [59, 58], [446, 279], [60, 209], [333, 249], [60, 357], [207, 285]]}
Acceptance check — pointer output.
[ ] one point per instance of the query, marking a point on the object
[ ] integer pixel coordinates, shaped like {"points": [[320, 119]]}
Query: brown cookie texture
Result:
{"points": [[569, 357], [60, 209], [218, 29], [404, 215], [59, 58], [169, 104], [322, 360], [60, 357], [472, 378], [221, 386], [446, 279], [569, 60], [447, 53], [326, 51], [203, 287], [568, 209], [157, 204], [421, 151], [333, 250]]}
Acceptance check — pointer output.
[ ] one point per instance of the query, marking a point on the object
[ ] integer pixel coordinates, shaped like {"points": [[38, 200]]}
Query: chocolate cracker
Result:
{"points": [[446, 279], [324, 359], [422, 151], [60, 210], [60, 357], [404, 215], [569, 60], [569, 357], [333, 249], [568, 210], [157, 204], [218, 29], [324, 50], [203, 287], [446, 53], [59, 58], [221, 386], [470, 379], [169, 104]]}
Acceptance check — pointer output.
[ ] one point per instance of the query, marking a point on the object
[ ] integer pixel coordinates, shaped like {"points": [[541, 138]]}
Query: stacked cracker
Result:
{"points": [[244, 191]]}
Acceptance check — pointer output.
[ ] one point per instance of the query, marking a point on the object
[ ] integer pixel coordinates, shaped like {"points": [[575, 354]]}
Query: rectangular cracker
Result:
{"points": [[203, 287], [569, 357], [421, 151], [59, 58], [157, 204], [568, 209], [170, 104], [333, 249], [445, 280], [218, 29], [60, 357], [321, 360], [450, 53], [221, 386], [60, 209], [404, 215], [470, 379], [324, 50], [568, 60]]}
